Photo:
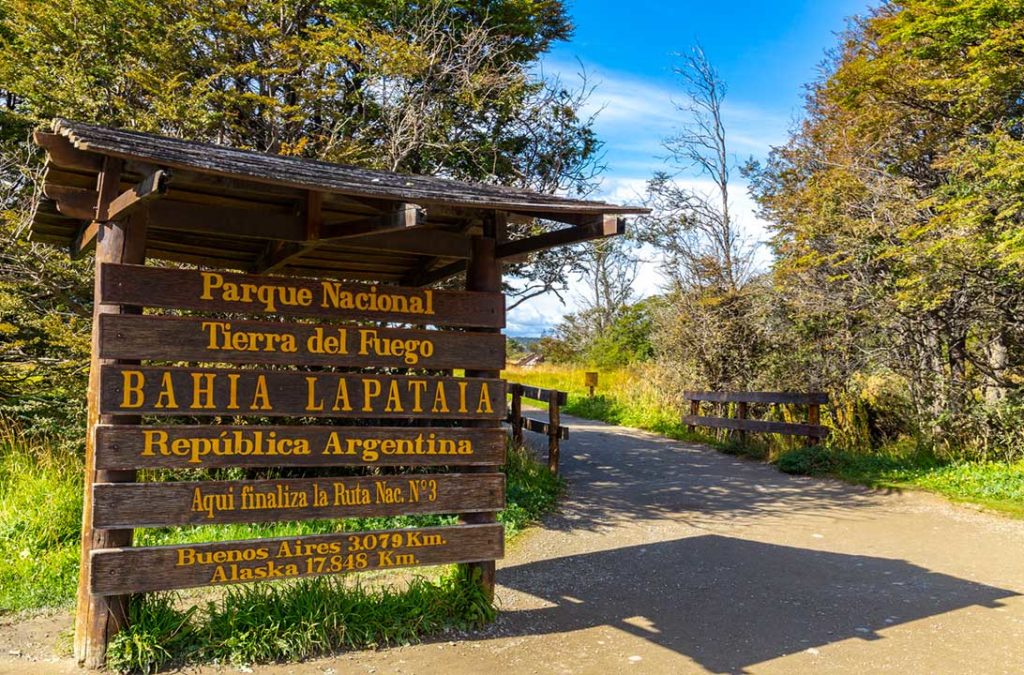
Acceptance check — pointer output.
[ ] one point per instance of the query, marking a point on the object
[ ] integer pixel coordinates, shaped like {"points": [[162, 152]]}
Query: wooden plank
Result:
{"points": [[119, 505], [209, 446], [605, 225], [798, 398], [759, 426], [546, 395], [166, 338], [62, 153], [73, 202], [294, 296], [435, 242], [270, 393], [539, 427], [152, 187], [158, 568]]}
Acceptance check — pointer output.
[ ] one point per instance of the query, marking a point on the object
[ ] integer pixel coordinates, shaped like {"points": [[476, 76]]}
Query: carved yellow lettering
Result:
{"points": [[440, 400], [261, 397], [311, 403], [394, 403], [211, 280], [154, 441], [202, 391], [371, 390], [166, 398], [341, 397], [132, 382], [484, 405]]}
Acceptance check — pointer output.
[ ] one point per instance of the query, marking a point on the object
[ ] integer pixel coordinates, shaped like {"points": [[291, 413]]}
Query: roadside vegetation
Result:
{"points": [[631, 396]]}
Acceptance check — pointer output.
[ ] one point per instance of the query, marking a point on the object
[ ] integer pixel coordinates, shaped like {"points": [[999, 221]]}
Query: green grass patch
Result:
{"points": [[263, 623]]}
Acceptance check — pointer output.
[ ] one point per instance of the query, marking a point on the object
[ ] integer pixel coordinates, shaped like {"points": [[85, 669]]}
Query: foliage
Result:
{"points": [[40, 520], [897, 216], [262, 623], [635, 398], [443, 87]]}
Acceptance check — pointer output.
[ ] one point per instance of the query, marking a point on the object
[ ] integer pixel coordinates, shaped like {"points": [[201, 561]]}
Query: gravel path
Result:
{"points": [[668, 557]]}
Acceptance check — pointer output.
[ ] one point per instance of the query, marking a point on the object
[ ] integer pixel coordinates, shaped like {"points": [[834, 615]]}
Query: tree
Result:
{"points": [[695, 229], [706, 333], [440, 87], [897, 205]]}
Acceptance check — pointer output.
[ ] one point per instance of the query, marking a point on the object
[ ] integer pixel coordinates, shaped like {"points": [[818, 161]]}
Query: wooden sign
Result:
{"points": [[288, 296], [210, 446], [131, 505], [206, 391], [158, 568], [209, 340]]}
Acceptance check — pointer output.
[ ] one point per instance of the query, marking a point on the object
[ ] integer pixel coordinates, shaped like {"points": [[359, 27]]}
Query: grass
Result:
{"points": [[262, 623], [627, 398]]}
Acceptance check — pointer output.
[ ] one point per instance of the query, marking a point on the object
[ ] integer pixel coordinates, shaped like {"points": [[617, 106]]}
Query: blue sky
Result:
{"points": [[765, 51]]}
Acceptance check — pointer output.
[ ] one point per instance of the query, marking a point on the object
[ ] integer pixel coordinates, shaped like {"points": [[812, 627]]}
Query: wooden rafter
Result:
{"points": [[278, 253]]}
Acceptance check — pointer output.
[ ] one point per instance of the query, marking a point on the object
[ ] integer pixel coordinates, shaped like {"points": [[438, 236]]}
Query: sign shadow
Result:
{"points": [[730, 603]]}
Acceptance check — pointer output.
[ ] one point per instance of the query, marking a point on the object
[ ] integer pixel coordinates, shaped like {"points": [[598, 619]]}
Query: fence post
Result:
{"points": [[741, 414], [813, 417], [554, 432], [517, 414], [694, 410]]}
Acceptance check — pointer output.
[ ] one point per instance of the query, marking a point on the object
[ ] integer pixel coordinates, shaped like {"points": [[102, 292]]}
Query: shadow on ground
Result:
{"points": [[731, 603], [616, 479]]}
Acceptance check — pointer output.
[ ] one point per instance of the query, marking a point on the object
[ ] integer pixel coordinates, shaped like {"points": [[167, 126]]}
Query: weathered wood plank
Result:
{"points": [[165, 338], [228, 292], [152, 187], [546, 395], [606, 225], [539, 427], [759, 426], [259, 501], [786, 397], [213, 391], [157, 568], [219, 446]]}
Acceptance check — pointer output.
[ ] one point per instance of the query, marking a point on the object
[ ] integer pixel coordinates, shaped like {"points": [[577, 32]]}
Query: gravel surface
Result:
{"points": [[669, 557]]}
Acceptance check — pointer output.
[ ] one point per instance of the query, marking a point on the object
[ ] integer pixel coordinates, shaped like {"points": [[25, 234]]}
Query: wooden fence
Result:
{"points": [[553, 429], [742, 423]]}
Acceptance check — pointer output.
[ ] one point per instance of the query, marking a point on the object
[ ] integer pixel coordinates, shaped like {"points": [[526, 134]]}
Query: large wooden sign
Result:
{"points": [[124, 505], [209, 340], [211, 446], [321, 298], [209, 391], [387, 377], [141, 570]]}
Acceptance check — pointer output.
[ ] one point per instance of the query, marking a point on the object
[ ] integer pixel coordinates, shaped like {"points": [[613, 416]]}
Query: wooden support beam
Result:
{"points": [[152, 187], [433, 242], [98, 618], [484, 274], [428, 277], [278, 254], [602, 226], [108, 184]]}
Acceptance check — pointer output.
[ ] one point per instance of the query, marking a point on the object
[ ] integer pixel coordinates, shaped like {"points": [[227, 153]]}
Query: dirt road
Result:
{"points": [[672, 558]]}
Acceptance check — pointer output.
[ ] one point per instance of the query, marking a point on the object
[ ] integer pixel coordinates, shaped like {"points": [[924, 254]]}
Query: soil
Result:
{"points": [[668, 557]]}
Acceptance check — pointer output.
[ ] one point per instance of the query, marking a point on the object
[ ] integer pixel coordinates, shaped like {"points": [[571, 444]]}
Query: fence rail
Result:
{"points": [[812, 430], [553, 428]]}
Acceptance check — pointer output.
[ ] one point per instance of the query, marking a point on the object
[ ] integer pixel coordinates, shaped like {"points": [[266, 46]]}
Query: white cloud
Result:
{"points": [[634, 116]]}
